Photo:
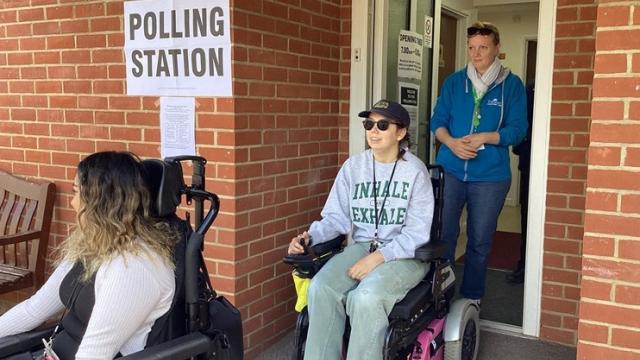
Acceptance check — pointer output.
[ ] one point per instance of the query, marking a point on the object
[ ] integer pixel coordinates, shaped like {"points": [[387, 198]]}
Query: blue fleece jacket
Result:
{"points": [[503, 109]]}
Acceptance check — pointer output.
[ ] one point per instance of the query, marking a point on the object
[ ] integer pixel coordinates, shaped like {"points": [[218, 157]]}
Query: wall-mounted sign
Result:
{"points": [[178, 47], [428, 31], [410, 55], [410, 99]]}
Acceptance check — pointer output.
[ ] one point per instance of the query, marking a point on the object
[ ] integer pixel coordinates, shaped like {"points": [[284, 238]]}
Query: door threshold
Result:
{"points": [[505, 329]]}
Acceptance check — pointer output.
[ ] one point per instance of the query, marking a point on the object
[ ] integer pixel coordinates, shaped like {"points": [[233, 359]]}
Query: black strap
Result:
{"points": [[203, 268]]}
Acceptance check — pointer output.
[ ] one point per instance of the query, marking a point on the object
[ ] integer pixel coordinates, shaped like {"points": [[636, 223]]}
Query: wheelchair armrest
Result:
{"points": [[184, 347], [431, 251], [309, 263], [10, 345]]}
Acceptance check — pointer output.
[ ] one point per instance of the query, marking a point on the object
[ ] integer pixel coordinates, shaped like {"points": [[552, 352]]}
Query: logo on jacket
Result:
{"points": [[494, 102]]}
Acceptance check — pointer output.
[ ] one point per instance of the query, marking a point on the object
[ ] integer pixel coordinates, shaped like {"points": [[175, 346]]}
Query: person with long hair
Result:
{"points": [[481, 111], [384, 198], [114, 276]]}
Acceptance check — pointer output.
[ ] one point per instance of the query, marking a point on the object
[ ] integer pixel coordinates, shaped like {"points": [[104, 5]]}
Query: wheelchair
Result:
{"points": [[200, 324], [428, 303]]}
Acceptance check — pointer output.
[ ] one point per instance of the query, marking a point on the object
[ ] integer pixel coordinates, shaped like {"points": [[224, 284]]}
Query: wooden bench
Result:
{"points": [[26, 208]]}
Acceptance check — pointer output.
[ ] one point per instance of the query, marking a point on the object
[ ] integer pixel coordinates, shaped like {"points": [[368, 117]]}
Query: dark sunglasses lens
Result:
{"points": [[368, 124], [383, 125], [482, 31]]}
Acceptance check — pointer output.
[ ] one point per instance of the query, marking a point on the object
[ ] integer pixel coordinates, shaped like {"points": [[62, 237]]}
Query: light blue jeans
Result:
{"points": [[333, 295]]}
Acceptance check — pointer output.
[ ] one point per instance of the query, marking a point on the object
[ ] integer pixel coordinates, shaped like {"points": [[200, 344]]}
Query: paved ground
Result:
{"points": [[493, 346]]}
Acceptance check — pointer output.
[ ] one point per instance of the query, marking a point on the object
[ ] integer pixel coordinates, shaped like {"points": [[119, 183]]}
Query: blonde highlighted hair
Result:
{"points": [[114, 217]]}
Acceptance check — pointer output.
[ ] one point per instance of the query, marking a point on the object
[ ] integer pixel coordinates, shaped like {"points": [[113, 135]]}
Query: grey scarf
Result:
{"points": [[481, 82]]}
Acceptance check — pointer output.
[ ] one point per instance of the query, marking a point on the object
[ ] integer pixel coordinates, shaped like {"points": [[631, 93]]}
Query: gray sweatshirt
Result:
{"points": [[405, 222]]}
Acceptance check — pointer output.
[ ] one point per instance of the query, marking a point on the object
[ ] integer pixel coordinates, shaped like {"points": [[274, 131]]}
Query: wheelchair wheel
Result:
{"points": [[466, 348]]}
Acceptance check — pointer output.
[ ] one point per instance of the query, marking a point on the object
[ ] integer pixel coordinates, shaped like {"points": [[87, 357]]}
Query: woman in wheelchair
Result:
{"points": [[384, 197], [115, 273]]}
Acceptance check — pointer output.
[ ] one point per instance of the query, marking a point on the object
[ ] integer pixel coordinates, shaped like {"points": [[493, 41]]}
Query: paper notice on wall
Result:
{"points": [[409, 98], [177, 126], [428, 31], [410, 55], [177, 47]]}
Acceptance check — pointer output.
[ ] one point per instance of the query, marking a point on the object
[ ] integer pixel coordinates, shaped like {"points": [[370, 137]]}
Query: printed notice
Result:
{"points": [[410, 55], [177, 126], [177, 47], [409, 98]]}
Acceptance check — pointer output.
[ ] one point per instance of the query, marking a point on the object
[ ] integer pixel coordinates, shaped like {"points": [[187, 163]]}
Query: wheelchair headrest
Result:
{"points": [[166, 182]]}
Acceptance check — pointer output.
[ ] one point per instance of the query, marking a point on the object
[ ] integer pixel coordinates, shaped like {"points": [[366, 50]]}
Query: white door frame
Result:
{"points": [[363, 65]]}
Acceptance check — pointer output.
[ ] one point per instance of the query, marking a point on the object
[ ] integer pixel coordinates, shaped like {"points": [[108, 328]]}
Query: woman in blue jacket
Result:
{"points": [[481, 111]]}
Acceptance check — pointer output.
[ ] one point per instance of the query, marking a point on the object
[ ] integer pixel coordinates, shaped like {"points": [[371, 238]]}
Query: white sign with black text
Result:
{"points": [[410, 55], [409, 98], [177, 47], [177, 126]]}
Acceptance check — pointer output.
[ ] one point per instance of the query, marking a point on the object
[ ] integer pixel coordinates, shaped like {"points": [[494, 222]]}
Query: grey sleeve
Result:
{"points": [[336, 218]]}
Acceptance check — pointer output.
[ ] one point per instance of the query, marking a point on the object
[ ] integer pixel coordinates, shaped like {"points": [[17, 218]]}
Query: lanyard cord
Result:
{"points": [[476, 108], [374, 244]]}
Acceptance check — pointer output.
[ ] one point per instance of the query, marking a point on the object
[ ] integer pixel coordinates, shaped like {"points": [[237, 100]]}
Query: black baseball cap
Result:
{"points": [[389, 109]]}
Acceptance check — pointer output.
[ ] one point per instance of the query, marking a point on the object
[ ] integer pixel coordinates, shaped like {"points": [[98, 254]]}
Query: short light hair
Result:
{"points": [[484, 25]]}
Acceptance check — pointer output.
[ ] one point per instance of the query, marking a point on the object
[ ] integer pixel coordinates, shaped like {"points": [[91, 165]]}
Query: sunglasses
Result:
{"points": [[382, 124], [476, 30]]}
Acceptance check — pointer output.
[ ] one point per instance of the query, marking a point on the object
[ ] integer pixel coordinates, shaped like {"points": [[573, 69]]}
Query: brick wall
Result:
{"points": [[291, 90], [62, 94], [610, 306], [568, 143]]}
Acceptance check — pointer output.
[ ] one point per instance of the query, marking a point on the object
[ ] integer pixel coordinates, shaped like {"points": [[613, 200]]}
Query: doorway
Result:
{"points": [[367, 49]]}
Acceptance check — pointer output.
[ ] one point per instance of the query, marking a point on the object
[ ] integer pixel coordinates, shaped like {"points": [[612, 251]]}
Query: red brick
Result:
{"points": [[616, 133], [60, 42], [90, 10], [558, 335], [573, 61], [570, 93], [560, 276], [616, 87], [567, 14], [59, 12], [596, 290], [627, 295], [612, 179], [607, 110], [630, 203], [610, 314], [588, 351], [611, 63], [633, 157], [74, 26], [613, 15], [600, 246], [587, 45], [593, 332], [588, 13], [625, 338], [618, 40], [623, 271], [105, 24], [629, 249]]}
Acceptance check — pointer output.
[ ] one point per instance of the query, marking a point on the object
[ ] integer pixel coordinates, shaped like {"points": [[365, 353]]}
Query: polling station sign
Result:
{"points": [[178, 47]]}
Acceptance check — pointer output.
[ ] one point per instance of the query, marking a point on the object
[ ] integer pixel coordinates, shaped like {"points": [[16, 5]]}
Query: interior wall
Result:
{"points": [[516, 23]]}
